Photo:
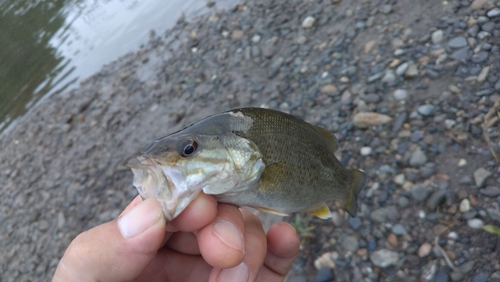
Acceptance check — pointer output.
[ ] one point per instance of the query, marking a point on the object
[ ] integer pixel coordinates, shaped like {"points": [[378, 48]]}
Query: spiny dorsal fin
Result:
{"points": [[329, 137], [322, 211]]}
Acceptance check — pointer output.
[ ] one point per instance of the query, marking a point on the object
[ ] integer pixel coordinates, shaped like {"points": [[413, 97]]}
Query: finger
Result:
{"points": [[283, 246], [183, 242], [117, 250], [255, 252], [199, 213], [222, 242], [137, 200]]}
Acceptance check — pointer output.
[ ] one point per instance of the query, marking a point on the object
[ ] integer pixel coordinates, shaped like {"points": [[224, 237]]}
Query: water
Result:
{"points": [[47, 47]]}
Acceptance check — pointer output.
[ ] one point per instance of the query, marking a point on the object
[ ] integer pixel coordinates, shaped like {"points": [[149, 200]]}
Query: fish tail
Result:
{"points": [[358, 180]]}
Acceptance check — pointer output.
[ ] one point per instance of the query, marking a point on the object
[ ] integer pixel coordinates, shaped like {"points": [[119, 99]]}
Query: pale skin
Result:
{"points": [[208, 241]]}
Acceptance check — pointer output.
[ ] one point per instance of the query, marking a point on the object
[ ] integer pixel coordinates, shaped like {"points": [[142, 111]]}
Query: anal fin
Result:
{"points": [[271, 211], [322, 212]]}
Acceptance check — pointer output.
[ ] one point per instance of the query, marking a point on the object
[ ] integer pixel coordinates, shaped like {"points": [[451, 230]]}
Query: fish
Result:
{"points": [[254, 157]]}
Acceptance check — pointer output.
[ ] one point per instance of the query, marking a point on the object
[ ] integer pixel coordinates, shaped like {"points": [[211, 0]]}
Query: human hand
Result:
{"points": [[208, 241]]}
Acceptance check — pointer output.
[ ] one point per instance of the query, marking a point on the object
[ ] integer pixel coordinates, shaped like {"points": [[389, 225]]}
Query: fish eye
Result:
{"points": [[188, 148]]}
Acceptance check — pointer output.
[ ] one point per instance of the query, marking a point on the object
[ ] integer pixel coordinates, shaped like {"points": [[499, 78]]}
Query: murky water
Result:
{"points": [[48, 46]]}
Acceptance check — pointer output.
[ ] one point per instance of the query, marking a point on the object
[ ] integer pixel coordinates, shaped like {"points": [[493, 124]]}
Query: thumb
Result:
{"points": [[118, 250]]}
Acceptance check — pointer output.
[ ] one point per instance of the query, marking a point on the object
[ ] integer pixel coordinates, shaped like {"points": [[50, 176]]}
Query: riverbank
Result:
{"points": [[432, 68]]}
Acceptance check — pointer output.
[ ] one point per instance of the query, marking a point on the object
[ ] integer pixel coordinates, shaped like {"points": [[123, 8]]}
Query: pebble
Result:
{"points": [[366, 151], [495, 12], [399, 179], [398, 229], [308, 22], [436, 198], [402, 69], [475, 223], [326, 260], [477, 4], [424, 250], [385, 8], [427, 110], [418, 157], [381, 215], [483, 74], [461, 54], [365, 120], [325, 274], [411, 71], [480, 176], [457, 42], [328, 89], [419, 192], [400, 94], [481, 277], [392, 239], [437, 36], [350, 243], [384, 258], [355, 223], [464, 206], [442, 276], [462, 162], [490, 191], [480, 57]]}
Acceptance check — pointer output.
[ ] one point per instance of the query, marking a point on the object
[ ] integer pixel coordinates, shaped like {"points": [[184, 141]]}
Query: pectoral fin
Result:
{"points": [[322, 212]]}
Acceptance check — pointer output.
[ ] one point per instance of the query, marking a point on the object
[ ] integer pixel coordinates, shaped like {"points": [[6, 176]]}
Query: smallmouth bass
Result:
{"points": [[253, 157]]}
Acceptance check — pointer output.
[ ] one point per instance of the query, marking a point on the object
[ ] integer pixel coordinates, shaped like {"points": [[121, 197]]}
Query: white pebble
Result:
{"points": [[308, 22], [365, 151], [400, 94], [421, 214], [256, 38], [453, 235], [475, 223], [464, 205], [462, 162], [399, 179]]}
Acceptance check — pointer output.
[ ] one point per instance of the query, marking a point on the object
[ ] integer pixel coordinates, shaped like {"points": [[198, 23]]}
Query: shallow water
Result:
{"points": [[47, 47]]}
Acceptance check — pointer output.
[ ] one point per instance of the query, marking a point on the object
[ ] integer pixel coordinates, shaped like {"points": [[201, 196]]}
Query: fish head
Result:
{"points": [[176, 168]]}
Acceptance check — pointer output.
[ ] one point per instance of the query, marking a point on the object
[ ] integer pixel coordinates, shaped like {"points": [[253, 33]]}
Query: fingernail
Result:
{"points": [[235, 274], [229, 234], [139, 218]]}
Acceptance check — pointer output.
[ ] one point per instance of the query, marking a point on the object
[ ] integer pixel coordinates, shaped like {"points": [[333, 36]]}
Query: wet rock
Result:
{"points": [[477, 4], [382, 215], [418, 157], [350, 243], [411, 71], [365, 120], [400, 94], [385, 8], [384, 258], [398, 229], [442, 276], [495, 12], [480, 176], [481, 277], [355, 223], [365, 151], [427, 110], [464, 206], [461, 54]]}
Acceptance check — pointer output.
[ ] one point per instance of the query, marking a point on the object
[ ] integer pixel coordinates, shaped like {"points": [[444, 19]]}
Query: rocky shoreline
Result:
{"points": [[429, 71]]}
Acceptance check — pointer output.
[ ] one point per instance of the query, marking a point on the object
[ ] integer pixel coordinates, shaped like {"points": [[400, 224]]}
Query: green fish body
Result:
{"points": [[252, 157]]}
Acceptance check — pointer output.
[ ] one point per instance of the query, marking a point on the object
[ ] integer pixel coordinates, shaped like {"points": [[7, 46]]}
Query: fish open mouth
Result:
{"points": [[165, 183]]}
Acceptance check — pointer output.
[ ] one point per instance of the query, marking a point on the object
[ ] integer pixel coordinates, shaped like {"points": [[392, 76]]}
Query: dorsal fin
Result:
{"points": [[330, 138]]}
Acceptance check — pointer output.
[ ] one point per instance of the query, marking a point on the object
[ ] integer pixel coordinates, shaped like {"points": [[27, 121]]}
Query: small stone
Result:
{"points": [[480, 57], [411, 71], [462, 162], [392, 239], [328, 89], [326, 260], [495, 12], [369, 46], [325, 274], [400, 94], [436, 198], [308, 22], [427, 110], [355, 223], [475, 223], [256, 38], [403, 202], [490, 191], [464, 206], [457, 42], [365, 120], [419, 192], [402, 68], [399, 179], [477, 4], [424, 250], [481, 277], [449, 123], [465, 180], [437, 36], [365, 151], [453, 235], [418, 157], [386, 8], [480, 176], [461, 54], [468, 266], [350, 243], [389, 77], [384, 258], [301, 40], [398, 229], [442, 276], [237, 34], [483, 74], [381, 215]]}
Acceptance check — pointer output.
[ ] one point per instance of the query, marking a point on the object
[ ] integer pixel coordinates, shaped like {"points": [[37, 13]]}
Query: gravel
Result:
{"points": [[406, 102]]}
